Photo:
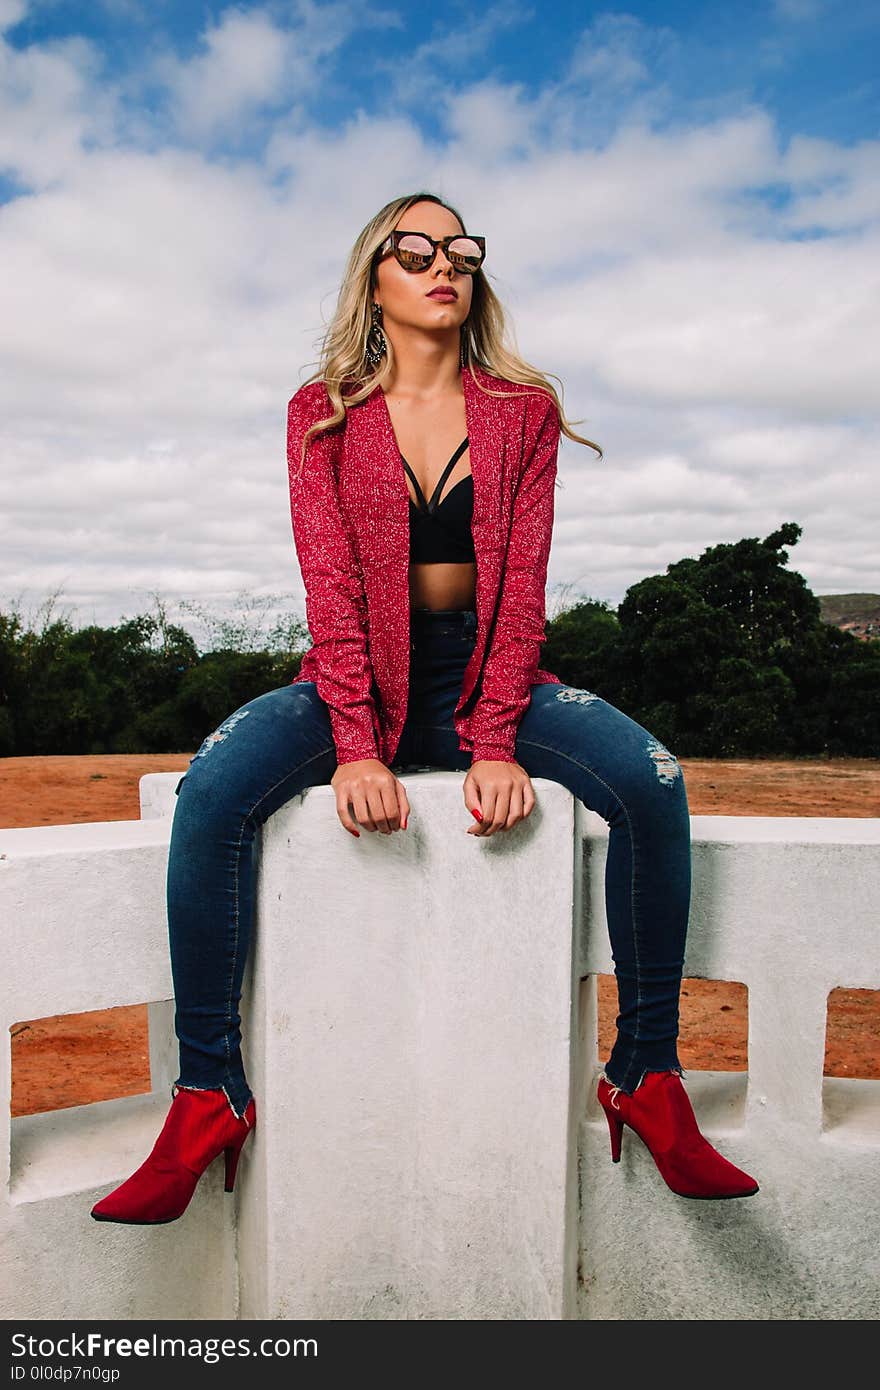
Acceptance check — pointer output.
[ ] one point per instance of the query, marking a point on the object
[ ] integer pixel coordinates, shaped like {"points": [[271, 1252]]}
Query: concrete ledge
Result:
{"points": [[408, 1021], [420, 1025], [787, 906], [83, 914]]}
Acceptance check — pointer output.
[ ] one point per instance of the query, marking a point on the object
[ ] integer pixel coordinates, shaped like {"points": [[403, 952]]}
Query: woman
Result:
{"points": [[426, 619]]}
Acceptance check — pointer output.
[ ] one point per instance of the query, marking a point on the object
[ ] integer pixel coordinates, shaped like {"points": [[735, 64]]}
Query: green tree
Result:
{"points": [[723, 655], [580, 642], [727, 655]]}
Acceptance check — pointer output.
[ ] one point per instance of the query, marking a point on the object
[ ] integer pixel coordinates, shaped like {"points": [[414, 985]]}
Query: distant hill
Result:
{"points": [[855, 613]]}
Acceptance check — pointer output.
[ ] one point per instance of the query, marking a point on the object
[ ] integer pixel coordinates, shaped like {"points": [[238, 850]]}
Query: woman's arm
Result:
{"points": [[335, 603], [515, 648]]}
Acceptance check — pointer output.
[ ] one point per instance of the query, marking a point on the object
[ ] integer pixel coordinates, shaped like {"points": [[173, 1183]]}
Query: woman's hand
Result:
{"points": [[501, 792], [373, 792]]}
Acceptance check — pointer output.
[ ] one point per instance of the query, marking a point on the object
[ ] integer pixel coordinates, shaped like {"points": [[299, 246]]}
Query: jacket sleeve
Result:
{"points": [[515, 647], [336, 610]]}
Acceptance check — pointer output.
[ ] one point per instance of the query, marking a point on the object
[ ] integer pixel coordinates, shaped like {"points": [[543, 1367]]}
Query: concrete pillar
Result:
{"points": [[413, 1039]]}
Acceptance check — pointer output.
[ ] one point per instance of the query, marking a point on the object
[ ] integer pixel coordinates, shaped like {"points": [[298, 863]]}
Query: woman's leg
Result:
{"points": [[619, 769], [265, 753]]}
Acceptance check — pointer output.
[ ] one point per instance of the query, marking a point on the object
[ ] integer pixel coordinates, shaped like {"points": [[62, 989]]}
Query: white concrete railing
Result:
{"points": [[419, 1019]]}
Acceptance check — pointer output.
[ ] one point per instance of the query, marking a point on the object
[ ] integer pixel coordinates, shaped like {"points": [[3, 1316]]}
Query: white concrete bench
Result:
{"points": [[407, 1012], [422, 1047]]}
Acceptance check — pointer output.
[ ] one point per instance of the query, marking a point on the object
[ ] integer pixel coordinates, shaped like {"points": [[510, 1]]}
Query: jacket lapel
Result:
{"points": [[370, 443], [385, 457], [484, 455]]}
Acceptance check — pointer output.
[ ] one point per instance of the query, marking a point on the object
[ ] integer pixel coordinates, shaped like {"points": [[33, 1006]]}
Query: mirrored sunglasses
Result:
{"points": [[416, 250]]}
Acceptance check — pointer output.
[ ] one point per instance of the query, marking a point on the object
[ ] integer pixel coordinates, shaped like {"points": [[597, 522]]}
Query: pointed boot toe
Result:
{"points": [[660, 1113], [199, 1127]]}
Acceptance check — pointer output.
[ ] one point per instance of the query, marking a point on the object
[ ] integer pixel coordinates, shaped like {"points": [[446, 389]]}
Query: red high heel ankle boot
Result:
{"points": [[660, 1113], [199, 1126]]}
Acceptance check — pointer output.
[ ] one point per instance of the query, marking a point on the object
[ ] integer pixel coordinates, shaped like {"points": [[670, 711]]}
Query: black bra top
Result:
{"points": [[441, 530]]}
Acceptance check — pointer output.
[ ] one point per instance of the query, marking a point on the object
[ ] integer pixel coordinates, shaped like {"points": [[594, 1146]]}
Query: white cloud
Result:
{"points": [[798, 11], [617, 51], [245, 63], [841, 186], [52, 105], [491, 115], [165, 307], [12, 12], [740, 326], [424, 79]]}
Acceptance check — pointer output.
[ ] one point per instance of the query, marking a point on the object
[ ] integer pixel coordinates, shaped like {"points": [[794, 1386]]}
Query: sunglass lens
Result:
{"points": [[414, 252], [465, 254]]}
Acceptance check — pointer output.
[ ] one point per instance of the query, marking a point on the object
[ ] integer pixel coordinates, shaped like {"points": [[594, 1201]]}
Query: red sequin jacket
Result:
{"points": [[350, 513]]}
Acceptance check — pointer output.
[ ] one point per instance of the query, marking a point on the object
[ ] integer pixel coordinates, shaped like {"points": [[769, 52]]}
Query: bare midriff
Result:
{"points": [[441, 585]]}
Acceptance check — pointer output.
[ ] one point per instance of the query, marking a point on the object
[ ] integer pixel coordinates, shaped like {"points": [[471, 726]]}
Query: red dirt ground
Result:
{"points": [[77, 1058]]}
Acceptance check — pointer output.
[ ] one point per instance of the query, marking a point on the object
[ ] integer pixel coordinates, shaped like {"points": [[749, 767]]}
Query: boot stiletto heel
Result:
{"points": [[199, 1127], [231, 1158], [615, 1126], [660, 1113]]}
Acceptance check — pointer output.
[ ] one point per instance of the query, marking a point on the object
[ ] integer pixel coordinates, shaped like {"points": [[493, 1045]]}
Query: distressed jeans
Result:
{"points": [[280, 743]]}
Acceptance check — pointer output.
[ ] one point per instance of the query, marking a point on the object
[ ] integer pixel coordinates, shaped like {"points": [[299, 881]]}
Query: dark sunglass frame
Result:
{"points": [[392, 243]]}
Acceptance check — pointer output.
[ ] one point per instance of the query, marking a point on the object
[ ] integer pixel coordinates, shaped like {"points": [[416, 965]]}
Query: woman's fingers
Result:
{"points": [[343, 812], [375, 808], [369, 794], [383, 804], [361, 806], [496, 806], [515, 808], [504, 792]]}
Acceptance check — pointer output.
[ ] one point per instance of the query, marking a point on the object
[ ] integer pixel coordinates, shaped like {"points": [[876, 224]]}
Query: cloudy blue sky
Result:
{"points": [[681, 204]]}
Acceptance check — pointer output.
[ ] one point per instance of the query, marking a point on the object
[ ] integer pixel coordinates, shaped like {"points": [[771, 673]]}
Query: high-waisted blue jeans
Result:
{"points": [[281, 743]]}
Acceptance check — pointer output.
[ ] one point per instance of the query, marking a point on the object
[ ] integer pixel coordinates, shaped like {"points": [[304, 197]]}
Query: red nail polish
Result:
{"points": [[477, 813], [357, 833]]}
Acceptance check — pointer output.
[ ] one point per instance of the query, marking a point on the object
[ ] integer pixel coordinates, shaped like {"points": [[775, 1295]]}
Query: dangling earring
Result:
{"points": [[377, 344], [463, 352]]}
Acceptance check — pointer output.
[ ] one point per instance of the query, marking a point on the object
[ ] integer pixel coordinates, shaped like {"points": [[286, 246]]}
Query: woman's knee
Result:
{"points": [[650, 772], [228, 753], [220, 735], [207, 794], [632, 761], [652, 783], [664, 764], [277, 719], [259, 748]]}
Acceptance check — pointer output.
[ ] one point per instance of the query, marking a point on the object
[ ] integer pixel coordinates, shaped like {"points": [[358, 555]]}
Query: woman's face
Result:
{"points": [[405, 295]]}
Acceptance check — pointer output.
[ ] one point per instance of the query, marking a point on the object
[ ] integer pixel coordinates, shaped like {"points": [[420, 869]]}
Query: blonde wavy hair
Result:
{"points": [[484, 336]]}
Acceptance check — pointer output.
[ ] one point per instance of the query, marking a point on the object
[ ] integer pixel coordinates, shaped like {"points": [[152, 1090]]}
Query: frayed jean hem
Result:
{"points": [[238, 1095], [629, 1063]]}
